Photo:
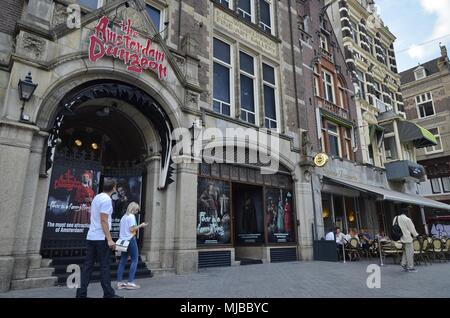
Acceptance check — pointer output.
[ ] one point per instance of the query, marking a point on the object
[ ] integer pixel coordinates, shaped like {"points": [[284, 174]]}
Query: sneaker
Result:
{"points": [[404, 268], [412, 270], [121, 285], [132, 286]]}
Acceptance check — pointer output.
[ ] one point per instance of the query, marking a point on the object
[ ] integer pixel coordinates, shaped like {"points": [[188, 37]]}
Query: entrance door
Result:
{"points": [[248, 214], [97, 142]]}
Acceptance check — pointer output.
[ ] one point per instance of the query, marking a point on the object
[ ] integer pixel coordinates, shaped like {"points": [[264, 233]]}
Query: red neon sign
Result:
{"points": [[126, 47]]}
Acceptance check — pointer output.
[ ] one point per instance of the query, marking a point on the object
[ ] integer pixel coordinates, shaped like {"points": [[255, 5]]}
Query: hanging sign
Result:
{"points": [[321, 159], [135, 51]]}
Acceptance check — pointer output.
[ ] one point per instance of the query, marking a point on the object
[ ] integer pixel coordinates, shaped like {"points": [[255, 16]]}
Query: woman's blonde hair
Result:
{"points": [[133, 208]]}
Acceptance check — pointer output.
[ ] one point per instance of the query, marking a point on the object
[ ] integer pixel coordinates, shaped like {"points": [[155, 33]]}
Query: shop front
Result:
{"points": [[250, 214]]}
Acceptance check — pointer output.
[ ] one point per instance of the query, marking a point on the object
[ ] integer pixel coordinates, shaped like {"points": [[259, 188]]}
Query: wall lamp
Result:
{"points": [[26, 91]]}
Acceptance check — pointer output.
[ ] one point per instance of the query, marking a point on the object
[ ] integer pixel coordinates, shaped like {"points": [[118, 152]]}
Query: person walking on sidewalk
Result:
{"points": [[409, 232], [128, 230], [99, 242]]}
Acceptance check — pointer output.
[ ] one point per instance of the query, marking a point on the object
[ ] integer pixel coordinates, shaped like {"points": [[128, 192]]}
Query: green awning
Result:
{"points": [[411, 132]]}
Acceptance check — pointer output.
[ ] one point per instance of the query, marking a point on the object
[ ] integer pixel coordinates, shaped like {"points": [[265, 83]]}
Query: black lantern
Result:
{"points": [[26, 88]]}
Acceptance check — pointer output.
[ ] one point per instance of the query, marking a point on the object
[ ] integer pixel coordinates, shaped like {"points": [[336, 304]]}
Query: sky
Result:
{"points": [[419, 26]]}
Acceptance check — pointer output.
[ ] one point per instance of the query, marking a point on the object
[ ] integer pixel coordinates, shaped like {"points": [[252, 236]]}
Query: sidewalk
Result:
{"points": [[283, 280]]}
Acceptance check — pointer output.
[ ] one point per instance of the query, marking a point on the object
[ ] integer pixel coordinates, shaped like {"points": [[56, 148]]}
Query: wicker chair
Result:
{"points": [[354, 249], [427, 250], [391, 249], [439, 250], [446, 248], [418, 257]]}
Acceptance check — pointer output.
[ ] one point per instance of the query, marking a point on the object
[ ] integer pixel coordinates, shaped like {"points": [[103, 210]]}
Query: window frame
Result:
{"points": [[327, 133], [100, 4], [333, 93], [232, 77], [275, 87], [420, 101], [386, 137], [438, 137], [254, 78], [439, 183], [230, 3], [252, 14], [272, 17], [323, 40], [444, 189]]}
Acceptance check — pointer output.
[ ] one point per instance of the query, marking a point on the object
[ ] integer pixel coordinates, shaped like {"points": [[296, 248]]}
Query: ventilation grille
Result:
{"points": [[278, 255], [214, 259]]}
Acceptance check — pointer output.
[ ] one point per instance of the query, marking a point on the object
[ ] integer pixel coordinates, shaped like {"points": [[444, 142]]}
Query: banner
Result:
{"points": [[279, 216], [129, 189], [248, 209], [213, 212], [69, 202]]}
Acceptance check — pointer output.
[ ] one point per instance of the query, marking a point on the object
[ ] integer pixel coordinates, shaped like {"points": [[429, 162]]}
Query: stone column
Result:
{"points": [[153, 235], [186, 254], [305, 216], [25, 213], [15, 141]]}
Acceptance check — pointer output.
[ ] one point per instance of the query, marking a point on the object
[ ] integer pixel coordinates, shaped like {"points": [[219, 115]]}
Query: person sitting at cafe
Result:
{"points": [[366, 239]]}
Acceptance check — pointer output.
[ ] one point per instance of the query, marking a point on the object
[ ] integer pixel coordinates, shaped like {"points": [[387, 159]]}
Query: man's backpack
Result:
{"points": [[396, 231]]}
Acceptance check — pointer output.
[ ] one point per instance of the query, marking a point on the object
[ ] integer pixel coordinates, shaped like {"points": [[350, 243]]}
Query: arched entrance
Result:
{"points": [[102, 130]]}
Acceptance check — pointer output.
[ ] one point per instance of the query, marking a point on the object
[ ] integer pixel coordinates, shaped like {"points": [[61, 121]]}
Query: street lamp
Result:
{"points": [[26, 91]]}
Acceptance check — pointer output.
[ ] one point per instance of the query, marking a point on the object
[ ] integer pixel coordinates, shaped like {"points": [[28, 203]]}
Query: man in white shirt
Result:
{"points": [[99, 242], [409, 232]]}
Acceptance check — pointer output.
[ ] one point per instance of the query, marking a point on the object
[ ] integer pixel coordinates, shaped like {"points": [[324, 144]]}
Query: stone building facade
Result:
{"points": [[114, 80], [426, 91]]}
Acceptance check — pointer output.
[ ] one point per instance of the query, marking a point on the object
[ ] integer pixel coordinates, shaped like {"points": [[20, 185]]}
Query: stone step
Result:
{"points": [[40, 272], [157, 272], [29, 283], [46, 262]]}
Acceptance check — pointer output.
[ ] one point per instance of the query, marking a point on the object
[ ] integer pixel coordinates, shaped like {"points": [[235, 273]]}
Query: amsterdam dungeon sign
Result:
{"points": [[127, 45]]}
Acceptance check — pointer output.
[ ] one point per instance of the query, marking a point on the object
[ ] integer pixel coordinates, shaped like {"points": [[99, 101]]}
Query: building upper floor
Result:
{"points": [[426, 90]]}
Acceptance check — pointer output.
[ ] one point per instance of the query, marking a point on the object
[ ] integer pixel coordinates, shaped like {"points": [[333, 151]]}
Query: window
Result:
{"points": [[438, 147], [361, 84], [155, 16], [420, 73], [222, 88], [425, 107], [90, 4], [354, 27], [333, 139], [348, 144], [390, 148], [370, 43], [446, 184], [248, 82], [323, 42], [225, 3], [270, 103], [246, 9], [328, 86], [436, 185], [265, 13]]}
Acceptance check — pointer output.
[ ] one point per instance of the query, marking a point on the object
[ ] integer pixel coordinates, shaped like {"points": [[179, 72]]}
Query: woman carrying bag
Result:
{"points": [[128, 230]]}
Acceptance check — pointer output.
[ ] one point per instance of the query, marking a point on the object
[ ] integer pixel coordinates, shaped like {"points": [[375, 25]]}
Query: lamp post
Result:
{"points": [[26, 91]]}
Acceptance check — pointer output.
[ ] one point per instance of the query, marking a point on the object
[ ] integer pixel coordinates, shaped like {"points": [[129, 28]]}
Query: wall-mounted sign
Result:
{"points": [[137, 52], [321, 160]]}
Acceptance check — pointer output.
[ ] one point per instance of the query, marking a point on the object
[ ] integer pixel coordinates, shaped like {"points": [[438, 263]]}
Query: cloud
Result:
{"points": [[416, 52], [441, 8]]}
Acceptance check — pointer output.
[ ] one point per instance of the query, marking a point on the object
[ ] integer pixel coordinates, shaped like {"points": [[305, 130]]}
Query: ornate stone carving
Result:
{"points": [[191, 99], [59, 14], [33, 46]]}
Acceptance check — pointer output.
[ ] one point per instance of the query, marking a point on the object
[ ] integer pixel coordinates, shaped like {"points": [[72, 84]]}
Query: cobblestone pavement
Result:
{"points": [[282, 280]]}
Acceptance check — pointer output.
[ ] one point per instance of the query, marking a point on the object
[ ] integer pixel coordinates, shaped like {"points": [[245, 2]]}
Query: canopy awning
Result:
{"points": [[391, 195], [411, 132]]}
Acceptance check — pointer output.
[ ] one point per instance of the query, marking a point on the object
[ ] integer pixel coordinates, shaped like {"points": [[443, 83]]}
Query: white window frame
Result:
{"points": [[254, 77], [222, 2], [420, 73], [388, 136], [232, 80], [443, 186], [323, 42], [325, 83], [438, 137], [348, 138], [251, 14], [276, 93], [422, 99], [335, 134], [272, 18], [162, 10]]}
